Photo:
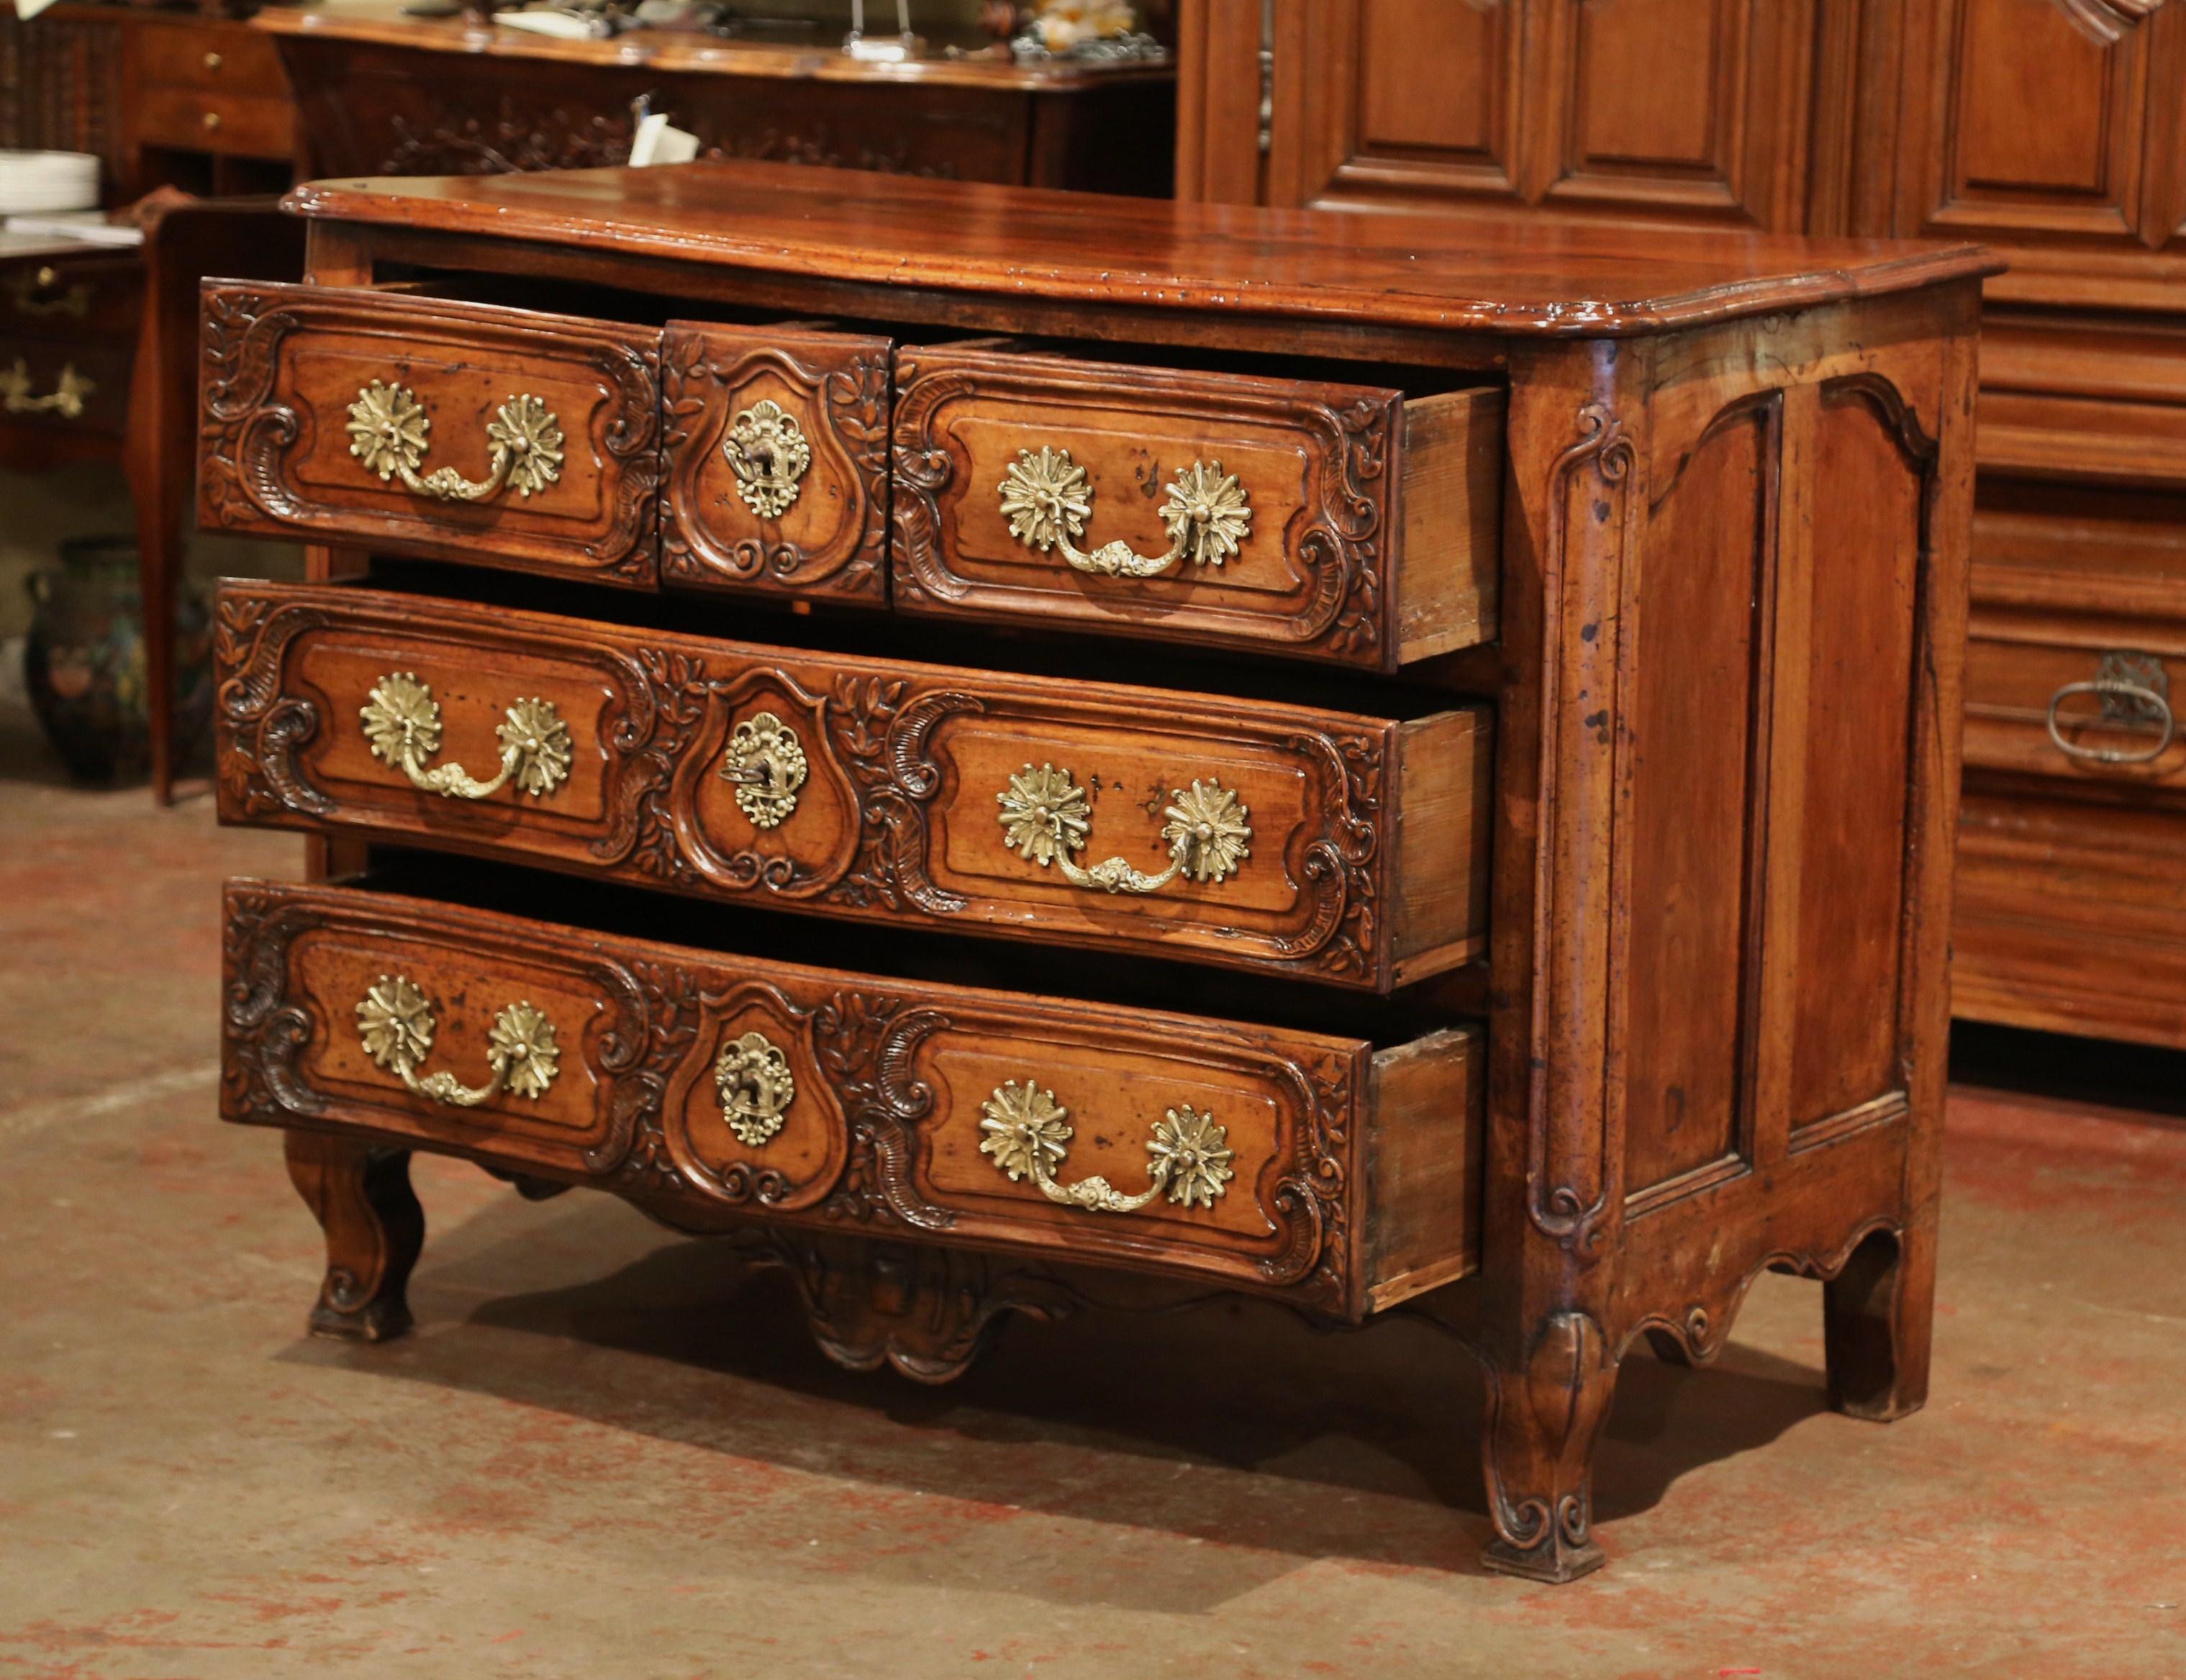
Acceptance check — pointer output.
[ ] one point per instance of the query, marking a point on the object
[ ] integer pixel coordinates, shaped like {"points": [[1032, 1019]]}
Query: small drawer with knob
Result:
{"points": [[2087, 711], [1317, 845], [1338, 523], [238, 124], [208, 56], [710, 1087]]}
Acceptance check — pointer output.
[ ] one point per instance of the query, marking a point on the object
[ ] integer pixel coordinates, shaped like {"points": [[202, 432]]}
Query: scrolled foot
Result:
{"points": [[1543, 1418], [374, 1228]]}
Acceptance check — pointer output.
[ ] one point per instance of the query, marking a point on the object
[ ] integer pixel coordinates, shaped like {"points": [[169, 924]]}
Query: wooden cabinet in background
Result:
{"points": [[2053, 131]]}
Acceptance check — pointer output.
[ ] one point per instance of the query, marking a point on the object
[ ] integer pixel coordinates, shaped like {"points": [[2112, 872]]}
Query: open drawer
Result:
{"points": [[1315, 844], [1334, 522], [703, 1084], [745, 458]]}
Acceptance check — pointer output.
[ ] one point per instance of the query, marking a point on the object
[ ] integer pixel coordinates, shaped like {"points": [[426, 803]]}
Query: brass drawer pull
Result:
{"points": [[1045, 819], [2134, 690], [1026, 1137], [65, 399], [766, 763], [1047, 502], [29, 290], [395, 1020], [387, 431], [402, 722]]}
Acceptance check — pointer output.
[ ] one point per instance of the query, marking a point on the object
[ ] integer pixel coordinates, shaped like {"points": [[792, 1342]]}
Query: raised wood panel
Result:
{"points": [[1673, 108], [1868, 534], [2042, 120], [1456, 103], [1703, 655], [1382, 100], [1654, 96]]}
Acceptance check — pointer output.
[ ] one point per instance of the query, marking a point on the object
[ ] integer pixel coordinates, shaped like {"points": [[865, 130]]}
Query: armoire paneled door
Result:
{"points": [[2053, 131]]}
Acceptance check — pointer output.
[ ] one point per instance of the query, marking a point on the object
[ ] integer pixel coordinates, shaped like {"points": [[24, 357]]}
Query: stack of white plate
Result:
{"points": [[47, 181]]}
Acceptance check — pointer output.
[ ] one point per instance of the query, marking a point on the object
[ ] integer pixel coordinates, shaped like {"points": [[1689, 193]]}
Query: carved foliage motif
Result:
{"points": [[927, 1311], [512, 140], [852, 399], [1340, 545], [257, 727], [263, 1029]]}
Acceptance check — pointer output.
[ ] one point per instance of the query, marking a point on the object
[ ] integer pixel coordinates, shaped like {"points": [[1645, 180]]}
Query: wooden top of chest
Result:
{"points": [[1479, 273]]}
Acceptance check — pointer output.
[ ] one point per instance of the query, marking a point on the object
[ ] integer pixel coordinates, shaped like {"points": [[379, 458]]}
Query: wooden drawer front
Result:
{"points": [[287, 369], [776, 471], [706, 1083], [212, 57], [1359, 529], [921, 794], [232, 125], [95, 298], [2110, 707], [62, 388]]}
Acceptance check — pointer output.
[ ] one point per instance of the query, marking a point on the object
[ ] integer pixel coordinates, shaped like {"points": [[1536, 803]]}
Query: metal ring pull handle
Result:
{"points": [[387, 432], [395, 1020], [1027, 1137], [65, 399], [1047, 500], [402, 722], [1045, 819], [2133, 691]]}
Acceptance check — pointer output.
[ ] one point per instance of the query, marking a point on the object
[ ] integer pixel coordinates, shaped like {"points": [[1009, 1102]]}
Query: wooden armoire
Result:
{"points": [[2053, 131]]}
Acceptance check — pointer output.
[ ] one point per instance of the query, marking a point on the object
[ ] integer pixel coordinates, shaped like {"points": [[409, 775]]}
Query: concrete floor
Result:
{"points": [[607, 1452]]}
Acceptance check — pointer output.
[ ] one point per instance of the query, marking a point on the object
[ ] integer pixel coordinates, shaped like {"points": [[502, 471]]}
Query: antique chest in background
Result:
{"points": [[2051, 130], [999, 749]]}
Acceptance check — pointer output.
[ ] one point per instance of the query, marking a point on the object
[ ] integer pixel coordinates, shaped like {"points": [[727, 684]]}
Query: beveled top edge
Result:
{"points": [[1472, 271]]}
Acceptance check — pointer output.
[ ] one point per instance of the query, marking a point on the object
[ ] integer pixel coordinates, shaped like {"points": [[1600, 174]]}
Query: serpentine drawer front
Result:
{"points": [[1327, 522], [495, 436], [705, 1083], [1341, 849]]}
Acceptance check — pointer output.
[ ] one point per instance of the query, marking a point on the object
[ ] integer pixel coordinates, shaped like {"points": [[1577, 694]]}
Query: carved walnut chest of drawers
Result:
{"points": [[996, 750]]}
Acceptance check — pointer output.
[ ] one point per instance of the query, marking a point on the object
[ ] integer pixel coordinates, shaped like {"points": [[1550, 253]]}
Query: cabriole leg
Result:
{"points": [[1542, 1420], [1877, 1316], [362, 1198]]}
